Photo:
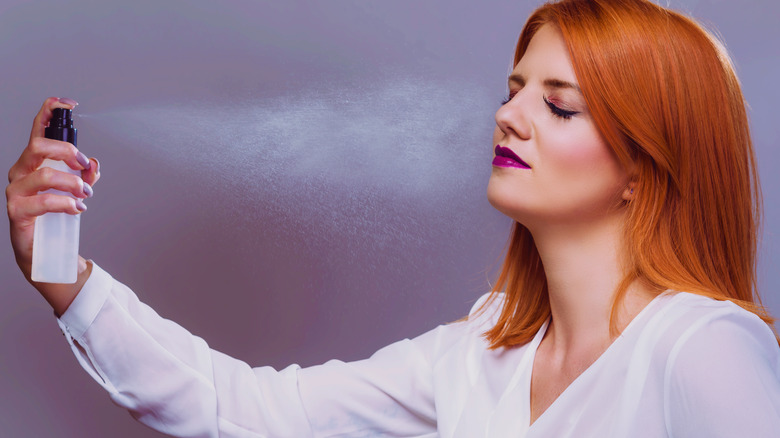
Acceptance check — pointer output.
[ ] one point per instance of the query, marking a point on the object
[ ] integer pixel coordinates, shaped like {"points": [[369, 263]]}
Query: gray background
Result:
{"points": [[293, 181]]}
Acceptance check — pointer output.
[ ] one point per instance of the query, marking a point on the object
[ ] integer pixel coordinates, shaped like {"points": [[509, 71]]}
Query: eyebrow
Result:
{"points": [[552, 83]]}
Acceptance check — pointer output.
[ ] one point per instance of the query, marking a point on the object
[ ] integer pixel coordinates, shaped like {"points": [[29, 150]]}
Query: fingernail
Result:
{"points": [[68, 101], [83, 160], [80, 205], [88, 190]]}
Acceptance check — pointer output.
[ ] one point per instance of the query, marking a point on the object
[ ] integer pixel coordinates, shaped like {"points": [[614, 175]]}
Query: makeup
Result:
{"points": [[506, 158], [56, 235]]}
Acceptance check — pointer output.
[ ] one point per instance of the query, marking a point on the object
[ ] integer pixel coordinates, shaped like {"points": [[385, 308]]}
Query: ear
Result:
{"points": [[629, 191]]}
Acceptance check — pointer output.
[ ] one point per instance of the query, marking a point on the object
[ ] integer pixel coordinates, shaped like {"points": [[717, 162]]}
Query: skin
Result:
{"points": [[25, 204], [572, 201]]}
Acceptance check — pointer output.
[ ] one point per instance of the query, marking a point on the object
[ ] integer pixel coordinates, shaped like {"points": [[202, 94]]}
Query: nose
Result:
{"points": [[512, 118]]}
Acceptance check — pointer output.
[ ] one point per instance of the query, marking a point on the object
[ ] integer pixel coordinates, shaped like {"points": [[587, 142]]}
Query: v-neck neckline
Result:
{"points": [[533, 346]]}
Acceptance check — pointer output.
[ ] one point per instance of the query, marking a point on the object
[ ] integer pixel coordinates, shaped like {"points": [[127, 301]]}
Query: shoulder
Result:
{"points": [[486, 310], [721, 369], [482, 316], [698, 322], [463, 340], [676, 322], [694, 330]]}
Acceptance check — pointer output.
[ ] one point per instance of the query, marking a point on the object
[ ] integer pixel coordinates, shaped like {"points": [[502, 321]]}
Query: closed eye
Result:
{"points": [[508, 98], [559, 112]]}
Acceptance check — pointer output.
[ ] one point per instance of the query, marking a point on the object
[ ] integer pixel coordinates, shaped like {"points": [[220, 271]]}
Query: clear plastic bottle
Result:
{"points": [[56, 235]]}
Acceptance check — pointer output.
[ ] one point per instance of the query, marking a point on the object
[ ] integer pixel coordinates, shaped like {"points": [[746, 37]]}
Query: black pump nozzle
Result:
{"points": [[61, 126]]}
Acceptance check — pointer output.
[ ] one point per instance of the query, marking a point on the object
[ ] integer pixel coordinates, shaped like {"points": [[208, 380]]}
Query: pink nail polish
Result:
{"points": [[68, 101], [83, 160], [88, 190]]}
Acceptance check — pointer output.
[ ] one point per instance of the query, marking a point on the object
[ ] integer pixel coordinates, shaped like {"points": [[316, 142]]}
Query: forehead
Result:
{"points": [[546, 57]]}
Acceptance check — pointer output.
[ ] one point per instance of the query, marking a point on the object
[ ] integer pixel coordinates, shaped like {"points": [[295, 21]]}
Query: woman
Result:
{"points": [[626, 306]]}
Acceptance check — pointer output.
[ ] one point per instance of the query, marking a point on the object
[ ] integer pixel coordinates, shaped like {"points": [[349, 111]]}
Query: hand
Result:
{"points": [[25, 203]]}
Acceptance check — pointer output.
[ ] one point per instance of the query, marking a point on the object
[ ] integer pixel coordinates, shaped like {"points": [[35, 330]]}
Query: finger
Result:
{"points": [[40, 149], [44, 115], [47, 178], [91, 175], [24, 208]]}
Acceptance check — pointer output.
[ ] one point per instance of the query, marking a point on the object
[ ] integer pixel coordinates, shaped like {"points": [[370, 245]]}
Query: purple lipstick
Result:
{"points": [[506, 158]]}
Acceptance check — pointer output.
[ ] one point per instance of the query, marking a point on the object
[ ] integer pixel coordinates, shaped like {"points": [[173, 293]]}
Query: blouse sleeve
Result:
{"points": [[723, 379], [173, 382]]}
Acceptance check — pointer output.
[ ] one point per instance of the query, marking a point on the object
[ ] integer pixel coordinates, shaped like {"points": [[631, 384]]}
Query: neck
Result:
{"points": [[583, 265]]}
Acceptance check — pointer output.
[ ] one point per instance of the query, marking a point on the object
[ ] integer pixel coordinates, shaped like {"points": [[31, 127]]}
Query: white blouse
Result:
{"points": [[686, 366]]}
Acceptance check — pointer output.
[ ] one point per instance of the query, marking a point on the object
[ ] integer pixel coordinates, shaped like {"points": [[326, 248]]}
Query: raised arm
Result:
{"points": [[171, 380]]}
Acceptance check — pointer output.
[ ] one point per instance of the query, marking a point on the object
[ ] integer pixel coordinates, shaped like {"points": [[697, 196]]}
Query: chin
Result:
{"points": [[504, 199]]}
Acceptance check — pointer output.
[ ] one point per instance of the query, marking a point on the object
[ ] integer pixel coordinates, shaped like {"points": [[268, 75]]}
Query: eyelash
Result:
{"points": [[554, 109], [507, 99], [559, 112]]}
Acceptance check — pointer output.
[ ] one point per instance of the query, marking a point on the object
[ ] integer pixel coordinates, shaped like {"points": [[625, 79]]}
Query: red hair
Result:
{"points": [[664, 96]]}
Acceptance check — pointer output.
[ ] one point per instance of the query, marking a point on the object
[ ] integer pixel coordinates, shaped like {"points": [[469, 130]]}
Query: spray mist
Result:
{"points": [[56, 235]]}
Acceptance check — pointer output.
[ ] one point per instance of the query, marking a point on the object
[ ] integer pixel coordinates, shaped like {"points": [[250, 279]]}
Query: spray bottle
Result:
{"points": [[56, 235]]}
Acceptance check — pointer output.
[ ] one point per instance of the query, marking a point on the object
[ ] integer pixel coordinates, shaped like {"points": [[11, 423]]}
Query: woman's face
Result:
{"points": [[561, 171]]}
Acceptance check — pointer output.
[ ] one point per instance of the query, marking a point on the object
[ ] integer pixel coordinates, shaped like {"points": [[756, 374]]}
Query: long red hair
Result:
{"points": [[664, 95]]}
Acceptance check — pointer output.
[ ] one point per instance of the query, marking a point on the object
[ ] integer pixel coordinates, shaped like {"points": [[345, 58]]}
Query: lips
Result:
{"points": [[506, 158]]}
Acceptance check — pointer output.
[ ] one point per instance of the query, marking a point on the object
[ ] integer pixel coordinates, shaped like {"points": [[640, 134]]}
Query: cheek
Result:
{"points": [[583, 160]]}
